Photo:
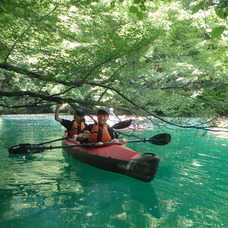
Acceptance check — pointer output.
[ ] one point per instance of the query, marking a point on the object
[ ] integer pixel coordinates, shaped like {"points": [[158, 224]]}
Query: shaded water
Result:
{"points": [[51, 189]]}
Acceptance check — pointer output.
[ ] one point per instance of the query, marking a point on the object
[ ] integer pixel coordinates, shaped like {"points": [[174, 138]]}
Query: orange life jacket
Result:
{"points": [[105, 136], [76, 128]]}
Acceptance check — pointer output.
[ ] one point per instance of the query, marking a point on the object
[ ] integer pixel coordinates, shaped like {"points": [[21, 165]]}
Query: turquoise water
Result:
{"points": [[53, 190]]}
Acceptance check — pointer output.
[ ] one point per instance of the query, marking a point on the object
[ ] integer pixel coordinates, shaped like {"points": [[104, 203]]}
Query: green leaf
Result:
{"points": [[112, 4], [142, 6], [221, 12], [198, 7], [140, 15], [133, 9], [217, 31]]}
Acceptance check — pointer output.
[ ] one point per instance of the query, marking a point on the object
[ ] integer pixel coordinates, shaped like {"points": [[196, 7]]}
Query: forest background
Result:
{"points": [[160, 58]]}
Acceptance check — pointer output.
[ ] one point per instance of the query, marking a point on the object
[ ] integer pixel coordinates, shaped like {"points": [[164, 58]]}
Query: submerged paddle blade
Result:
{"points": [[26, 149], [160, 139], [122, 124]]}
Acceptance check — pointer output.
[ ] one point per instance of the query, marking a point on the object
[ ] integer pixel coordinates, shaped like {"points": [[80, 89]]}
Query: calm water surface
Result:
{"points": [[53, 190]]}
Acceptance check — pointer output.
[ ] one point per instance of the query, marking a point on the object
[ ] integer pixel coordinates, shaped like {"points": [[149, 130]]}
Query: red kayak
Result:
{"points": [[115, 158], [110, 156]]}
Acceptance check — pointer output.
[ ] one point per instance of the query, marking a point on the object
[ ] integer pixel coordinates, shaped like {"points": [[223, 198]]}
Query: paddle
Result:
{"points": [[53, 140], [122, 124], [161, 139]]}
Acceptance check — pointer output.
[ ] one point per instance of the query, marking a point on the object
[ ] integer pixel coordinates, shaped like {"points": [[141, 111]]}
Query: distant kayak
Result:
{"points": [[116, 158]]}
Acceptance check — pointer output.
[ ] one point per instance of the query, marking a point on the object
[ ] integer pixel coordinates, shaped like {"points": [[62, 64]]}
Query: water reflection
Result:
{"points": [[71, 191], [103, 189]]}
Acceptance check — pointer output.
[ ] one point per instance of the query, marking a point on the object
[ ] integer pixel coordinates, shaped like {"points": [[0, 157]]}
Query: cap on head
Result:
{"points": [[103, 111], [79, 112]]}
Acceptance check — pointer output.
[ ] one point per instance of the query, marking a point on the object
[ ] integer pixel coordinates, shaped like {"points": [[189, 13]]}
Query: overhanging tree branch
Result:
{"points": [[36, 75], [25, 31], [45, 97]]}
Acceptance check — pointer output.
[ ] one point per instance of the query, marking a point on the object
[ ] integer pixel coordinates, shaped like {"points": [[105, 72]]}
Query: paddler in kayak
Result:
{"points": [[74, 127], [100, 132]]}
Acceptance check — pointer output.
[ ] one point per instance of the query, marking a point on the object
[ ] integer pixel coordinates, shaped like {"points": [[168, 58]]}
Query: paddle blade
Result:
{"points": [[160, 139], [122, 124], [26, 149]]}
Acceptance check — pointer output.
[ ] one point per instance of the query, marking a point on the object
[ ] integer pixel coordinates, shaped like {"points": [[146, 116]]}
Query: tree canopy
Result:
{"points": [[159, 58]]}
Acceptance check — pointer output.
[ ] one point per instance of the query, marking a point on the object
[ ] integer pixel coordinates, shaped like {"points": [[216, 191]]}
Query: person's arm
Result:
{"points": [[85, 133], [116, 138], [57, 118], [82, 136]]}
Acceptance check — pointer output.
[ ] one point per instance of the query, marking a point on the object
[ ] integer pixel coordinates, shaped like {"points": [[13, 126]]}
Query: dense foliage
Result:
{"points": [[161, 58]]}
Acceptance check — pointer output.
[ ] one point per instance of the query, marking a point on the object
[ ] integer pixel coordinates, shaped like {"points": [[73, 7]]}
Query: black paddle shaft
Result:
{"points": [[161, 139]]}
